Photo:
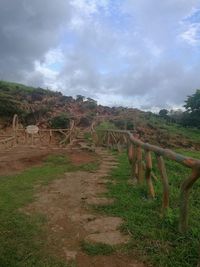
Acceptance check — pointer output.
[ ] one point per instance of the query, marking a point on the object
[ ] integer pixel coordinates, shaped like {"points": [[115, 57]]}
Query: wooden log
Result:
{"points": [[139, 163], [113, 139], [148, 171], [125, 139], [130, 153], [134, 167], [108, 140], [50, 136], [184, 199], [165, 183], [95, 138]]}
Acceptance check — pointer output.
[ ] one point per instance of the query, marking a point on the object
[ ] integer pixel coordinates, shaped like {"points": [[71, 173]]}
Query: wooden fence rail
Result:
{"points": [[143, 167], [7, 142]]}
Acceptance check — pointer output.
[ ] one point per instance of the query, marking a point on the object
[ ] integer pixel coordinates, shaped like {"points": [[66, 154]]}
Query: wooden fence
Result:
{"points": [[7, 142], [44, 137], [137, 150]]}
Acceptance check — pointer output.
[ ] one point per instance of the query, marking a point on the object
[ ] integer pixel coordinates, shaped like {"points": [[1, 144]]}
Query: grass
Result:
{"points": [[97, 249], [153, 238], [190, 133], [22, 237]]}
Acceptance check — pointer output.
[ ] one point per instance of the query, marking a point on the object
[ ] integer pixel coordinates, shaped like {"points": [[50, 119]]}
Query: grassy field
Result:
{"points": [[154, 239], [175, 129], [22, 237]]}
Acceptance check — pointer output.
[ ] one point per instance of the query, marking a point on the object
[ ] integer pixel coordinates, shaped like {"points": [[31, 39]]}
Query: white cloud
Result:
{"points": [[121, 52], [191, 35]]}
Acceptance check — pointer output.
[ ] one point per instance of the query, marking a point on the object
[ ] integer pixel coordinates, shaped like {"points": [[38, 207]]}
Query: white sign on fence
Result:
{"points": [[32, 129]]}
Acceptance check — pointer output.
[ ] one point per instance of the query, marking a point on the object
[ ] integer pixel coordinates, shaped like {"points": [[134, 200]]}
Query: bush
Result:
{"points": [[9, 106], [106, 125], [61, 121], [126, 124]]}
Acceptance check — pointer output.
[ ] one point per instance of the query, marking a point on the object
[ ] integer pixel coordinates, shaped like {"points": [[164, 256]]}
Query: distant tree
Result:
{"points": [[80, 98], [192, 115], [66, 99], [163, 113], [192, 103], [90, 104], [176, 115], [90, 100]]}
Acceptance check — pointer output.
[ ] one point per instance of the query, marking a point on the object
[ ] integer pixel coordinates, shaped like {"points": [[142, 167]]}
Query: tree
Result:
{"points": [[192, 115], [90, 100], [192, 104], [90, 104], [80, 98], [176, 115], [163, 113]]}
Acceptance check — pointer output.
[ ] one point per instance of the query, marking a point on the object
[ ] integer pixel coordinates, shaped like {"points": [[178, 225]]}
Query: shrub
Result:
{"points": [[106, 125], [85, 121], [61, 121]]}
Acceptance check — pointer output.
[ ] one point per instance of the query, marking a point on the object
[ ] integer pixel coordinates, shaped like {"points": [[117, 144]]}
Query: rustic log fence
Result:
{"points": [[44, 137], [140, 158]]}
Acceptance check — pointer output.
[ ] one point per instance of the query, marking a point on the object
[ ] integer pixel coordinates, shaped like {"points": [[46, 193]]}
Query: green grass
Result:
{"points": [[97, 249], [22, 237], [153, 238], [192, 134]]}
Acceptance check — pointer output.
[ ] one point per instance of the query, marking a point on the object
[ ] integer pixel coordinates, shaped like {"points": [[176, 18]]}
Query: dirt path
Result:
{"points": [[66, 204]]}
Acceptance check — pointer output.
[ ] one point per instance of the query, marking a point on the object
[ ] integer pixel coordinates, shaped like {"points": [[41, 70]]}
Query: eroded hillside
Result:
{"points": [[43, 107]]}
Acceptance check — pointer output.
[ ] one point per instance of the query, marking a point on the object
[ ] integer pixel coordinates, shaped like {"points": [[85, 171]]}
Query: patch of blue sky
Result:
{"points": [[114, 16], [194, 17], [56, 66]]}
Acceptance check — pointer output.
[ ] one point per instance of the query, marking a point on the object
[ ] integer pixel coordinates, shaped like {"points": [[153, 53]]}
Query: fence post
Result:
{"points": [[140, 166], [184, 198], [162, 169], [148, 170], [130, 153]]}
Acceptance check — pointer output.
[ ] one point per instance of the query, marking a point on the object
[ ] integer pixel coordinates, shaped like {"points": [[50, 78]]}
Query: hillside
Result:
{"points": [[40, 106]]}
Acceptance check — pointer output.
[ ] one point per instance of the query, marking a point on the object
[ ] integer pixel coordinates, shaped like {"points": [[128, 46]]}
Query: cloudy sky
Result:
{"points": [[139, 53]]}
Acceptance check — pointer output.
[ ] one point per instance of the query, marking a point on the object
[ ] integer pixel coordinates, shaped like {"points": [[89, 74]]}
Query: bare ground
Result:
{"points": [[19, 158]]}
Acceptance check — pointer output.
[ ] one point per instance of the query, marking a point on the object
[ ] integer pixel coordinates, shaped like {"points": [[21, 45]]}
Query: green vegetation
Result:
{"points": [[106, 125], [97, 249], [123, 124], [60, 122], [191, 117], [9, 105], [16, 98], [153, 238], [22, 237], [22, 90], [192, 114], [175, 129]]}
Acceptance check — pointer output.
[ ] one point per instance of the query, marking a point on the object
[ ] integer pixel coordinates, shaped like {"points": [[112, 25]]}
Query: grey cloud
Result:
{"points": [[28, 29], [142, 59]]}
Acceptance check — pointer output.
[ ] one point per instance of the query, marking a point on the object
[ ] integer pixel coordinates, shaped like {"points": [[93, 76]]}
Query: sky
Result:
{"points": [[136, 53]]}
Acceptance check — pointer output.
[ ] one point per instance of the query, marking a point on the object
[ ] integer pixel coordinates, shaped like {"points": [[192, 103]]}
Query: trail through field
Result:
{"points": [[71, 221]]}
